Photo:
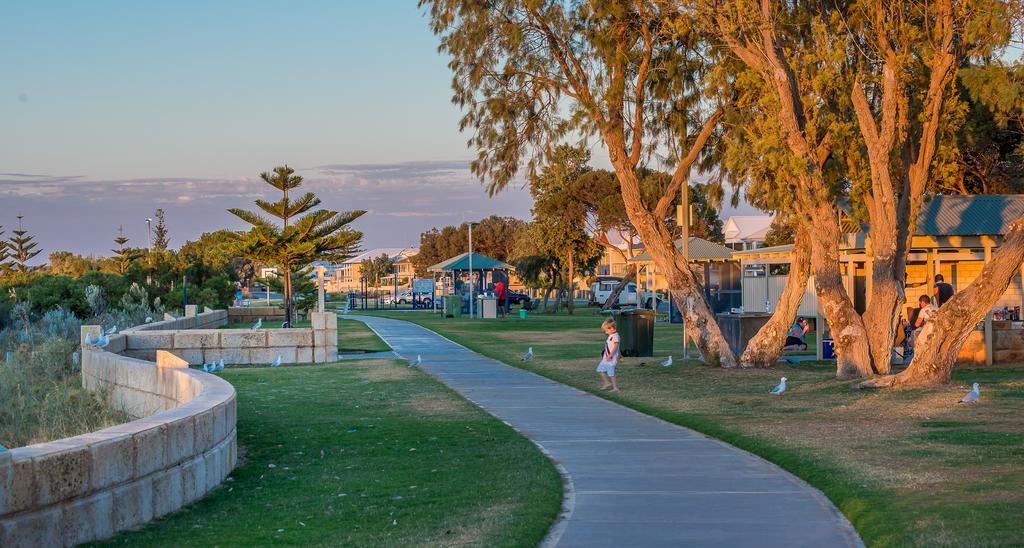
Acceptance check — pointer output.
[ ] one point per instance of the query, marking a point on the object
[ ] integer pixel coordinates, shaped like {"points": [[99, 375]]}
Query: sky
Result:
{"points": [[112, 109]]}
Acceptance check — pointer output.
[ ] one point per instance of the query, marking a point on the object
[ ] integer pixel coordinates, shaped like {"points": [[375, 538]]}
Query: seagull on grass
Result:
{"points": [[207, 368], [780, 388], [276, 362], [529, 355], [667, 362], [258, 324], [220, 366], [973, 395], [417, 361]]}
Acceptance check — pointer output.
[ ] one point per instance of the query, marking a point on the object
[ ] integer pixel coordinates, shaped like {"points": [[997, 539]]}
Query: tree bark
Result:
{"points": [[626, 280], [570, 304], [853, 356], [940, 340], [764, 348]]}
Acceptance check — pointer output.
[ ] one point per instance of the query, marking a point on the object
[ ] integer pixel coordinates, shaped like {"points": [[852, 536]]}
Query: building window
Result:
{"points": [[778, 269], [753, 271]]}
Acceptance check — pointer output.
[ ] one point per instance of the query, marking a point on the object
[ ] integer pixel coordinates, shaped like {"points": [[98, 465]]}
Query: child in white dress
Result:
{"points": [[610, 356]]}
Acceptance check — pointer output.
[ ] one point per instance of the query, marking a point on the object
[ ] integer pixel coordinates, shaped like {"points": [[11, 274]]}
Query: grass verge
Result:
{"points": [[908, 468], [366, 453]]}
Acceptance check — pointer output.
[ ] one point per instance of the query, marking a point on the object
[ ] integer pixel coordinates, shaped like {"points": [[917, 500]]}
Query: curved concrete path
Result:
{"points": [[631, 479]]}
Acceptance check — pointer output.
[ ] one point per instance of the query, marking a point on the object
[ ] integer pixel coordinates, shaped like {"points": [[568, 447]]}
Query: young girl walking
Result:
{"points": [[610, 356]]}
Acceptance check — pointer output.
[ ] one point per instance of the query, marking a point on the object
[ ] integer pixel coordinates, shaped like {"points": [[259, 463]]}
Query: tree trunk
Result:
{"points": [[940, 340], [626, 280], [685, 288], [572, 284], [853, 353], [547, 294], [887, 297], [288, 295], [764, 348]]}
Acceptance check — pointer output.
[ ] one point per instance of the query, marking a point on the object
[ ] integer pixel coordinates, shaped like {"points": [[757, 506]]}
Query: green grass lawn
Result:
{"points": [[366, 453], [908, 468]]}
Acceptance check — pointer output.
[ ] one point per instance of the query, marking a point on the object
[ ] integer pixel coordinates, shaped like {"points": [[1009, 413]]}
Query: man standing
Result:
{"points": [[499, 292], [943, 291]]}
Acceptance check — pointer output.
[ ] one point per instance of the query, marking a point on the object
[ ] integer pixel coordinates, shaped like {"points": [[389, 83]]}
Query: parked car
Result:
{"points": [[603, 288], [515, 297], [651, 296]]}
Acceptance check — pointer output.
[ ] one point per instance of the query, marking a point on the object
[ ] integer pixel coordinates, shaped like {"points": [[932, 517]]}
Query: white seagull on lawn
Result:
{"points": [[780, 388], [258, 324], [277, 362], [973, 395], [667, 362], [206, 368], [529, 354], [417, 361]]}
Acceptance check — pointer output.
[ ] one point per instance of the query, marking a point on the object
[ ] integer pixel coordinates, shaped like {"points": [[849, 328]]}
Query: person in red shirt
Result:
{"points": [[499, 292]]}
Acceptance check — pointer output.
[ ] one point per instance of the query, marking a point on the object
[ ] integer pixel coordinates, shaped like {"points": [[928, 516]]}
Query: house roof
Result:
{"points": [[975, 215], [391, 252], [461, 262], [700, 249], [750, 228], [785, 248]]}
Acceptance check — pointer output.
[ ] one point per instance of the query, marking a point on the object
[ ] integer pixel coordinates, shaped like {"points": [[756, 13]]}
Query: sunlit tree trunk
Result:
{"points": [[764, 348], [940, 340]]}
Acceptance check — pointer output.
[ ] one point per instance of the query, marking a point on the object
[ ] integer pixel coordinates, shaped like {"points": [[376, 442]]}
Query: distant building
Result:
{"points": [[744, 232], [347, 276]]}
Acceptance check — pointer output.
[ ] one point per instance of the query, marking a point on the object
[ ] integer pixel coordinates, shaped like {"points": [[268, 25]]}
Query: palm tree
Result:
{"points": [[305, 235]]}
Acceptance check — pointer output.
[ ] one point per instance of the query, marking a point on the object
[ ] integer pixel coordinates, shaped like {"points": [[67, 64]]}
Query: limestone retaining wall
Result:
{"points": [[1007, 344], [315, 344], [208, 319], [91, 486], [249, 314]]}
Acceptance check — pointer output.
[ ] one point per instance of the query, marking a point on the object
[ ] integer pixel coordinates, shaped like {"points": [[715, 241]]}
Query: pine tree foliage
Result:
{"points": [[22, 247], [160, 235], [123, 255], [304, 235]]}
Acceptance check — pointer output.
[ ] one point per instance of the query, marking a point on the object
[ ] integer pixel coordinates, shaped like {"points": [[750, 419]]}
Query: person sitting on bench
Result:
{"points": [[795, 337]]}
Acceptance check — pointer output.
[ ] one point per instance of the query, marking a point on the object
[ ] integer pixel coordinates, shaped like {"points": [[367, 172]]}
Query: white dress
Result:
{"points": [[608, 362]]}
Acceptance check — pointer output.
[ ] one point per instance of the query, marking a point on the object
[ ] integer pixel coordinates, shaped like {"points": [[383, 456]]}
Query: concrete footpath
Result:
{"points": [[631, 479]]}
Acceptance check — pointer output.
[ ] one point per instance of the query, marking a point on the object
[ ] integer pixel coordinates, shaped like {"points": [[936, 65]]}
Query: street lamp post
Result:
{"points": [[149, 232], [472, 284]]}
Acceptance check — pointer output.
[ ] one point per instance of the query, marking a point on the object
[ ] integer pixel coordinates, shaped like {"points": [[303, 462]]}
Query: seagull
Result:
{"points": [[277, 362], [149, 319], [258, 324], [667, 362], [102, 341], [206, 368], [89, 339], [220, 366], [529, 355], [111, 331], [417, 361], [973, 395], [780, 388]]}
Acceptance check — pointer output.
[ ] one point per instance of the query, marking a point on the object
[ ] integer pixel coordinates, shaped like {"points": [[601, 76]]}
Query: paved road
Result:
{"points": [[631, 479]]}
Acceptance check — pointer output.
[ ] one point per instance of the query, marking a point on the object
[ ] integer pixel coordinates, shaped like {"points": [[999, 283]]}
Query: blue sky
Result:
{"points": [[111, 109]]}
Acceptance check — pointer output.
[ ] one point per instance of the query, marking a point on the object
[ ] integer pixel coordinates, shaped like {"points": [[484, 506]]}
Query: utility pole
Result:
{"points": [[472, 284], [149, 232], [683, 219]]}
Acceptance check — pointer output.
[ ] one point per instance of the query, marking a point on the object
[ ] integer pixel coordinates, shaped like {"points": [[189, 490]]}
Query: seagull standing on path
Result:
{"points": [[973, 395], [277, 362], [529, 354], [667, 362], [417, 361], [780, 388]]}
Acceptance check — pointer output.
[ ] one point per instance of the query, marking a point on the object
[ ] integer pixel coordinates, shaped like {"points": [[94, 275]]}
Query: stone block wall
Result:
{"points": [[208, 319], [249, 314], [316, 344], [88, 487], [1007, 347]]}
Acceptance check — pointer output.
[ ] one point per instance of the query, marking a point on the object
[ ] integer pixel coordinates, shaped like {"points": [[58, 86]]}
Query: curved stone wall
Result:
{"points": [[91, 486]]}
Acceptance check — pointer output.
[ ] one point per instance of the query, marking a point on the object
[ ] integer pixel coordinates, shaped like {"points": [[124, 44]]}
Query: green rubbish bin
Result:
{"points": [[453, 306], [636, 329]]}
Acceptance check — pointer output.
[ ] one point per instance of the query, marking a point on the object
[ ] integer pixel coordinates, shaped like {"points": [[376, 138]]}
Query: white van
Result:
{"points": [[602, 289]]}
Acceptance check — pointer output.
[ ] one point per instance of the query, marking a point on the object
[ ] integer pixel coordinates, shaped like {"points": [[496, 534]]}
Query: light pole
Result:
{"points": [[472, 284], [149, 232]]}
